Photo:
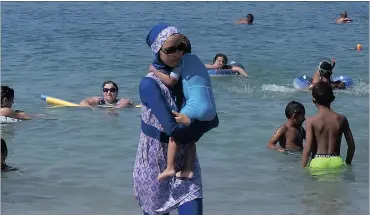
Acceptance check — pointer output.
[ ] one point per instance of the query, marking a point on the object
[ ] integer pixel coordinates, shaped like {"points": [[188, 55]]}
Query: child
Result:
{"points": [[323, 74], [324, 132], [200, 104], [7, 100], [290, 135]]}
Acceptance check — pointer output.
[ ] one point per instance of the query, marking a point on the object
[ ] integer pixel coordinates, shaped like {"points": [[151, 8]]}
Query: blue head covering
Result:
{"points": [[155, 39]]}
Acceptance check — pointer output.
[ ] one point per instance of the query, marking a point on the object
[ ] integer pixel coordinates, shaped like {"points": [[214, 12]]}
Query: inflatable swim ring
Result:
{"points": [[8, 120], [303, 81], [225, 72]]}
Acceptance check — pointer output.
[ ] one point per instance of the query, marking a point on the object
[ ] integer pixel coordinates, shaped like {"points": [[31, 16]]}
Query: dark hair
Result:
{"points": [[109, 82], [251, 16], [294, 107], [220, 55], [7, 92], [186, 41], [322, 92]]}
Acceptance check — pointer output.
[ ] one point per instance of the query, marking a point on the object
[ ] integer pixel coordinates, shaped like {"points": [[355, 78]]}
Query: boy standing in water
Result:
{"points": [[290, 135], [324, 132]]}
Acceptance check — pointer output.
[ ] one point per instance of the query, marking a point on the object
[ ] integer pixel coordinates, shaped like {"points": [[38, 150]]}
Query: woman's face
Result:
{"points": [[172, 51], [110, 93], [220, 61]]}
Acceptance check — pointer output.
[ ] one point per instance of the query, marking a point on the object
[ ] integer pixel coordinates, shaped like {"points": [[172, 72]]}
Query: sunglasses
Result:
{"points": [[113, 90], [171, 50]]}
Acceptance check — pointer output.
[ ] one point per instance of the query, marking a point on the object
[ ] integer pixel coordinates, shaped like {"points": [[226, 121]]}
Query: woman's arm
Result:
{"points": [[240, 70], [8, 112], [151, 96], [89, 102], [124, 103]]}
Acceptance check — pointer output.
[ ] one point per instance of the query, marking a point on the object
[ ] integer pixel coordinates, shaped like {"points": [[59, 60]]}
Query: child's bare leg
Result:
{"points": [[187, 172], [171, 155]]}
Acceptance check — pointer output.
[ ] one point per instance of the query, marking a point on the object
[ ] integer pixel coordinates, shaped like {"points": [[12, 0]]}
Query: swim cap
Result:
{"points": [[158, 35], [326, 68]]}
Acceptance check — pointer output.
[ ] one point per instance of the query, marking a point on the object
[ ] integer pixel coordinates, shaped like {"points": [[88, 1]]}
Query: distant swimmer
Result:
{"points": [[290, 135], [220, 62], [324, 132], [247, 20], [7, 100], [323, 74], [110, 92], [343, 18]]}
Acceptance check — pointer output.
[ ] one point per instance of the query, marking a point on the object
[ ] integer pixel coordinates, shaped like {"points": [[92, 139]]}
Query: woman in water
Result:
{"points": [[7, 100], [157, 125], [220, 62], [110, 92]]}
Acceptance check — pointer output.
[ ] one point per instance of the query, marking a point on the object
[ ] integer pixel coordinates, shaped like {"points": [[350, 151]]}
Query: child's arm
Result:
{"points": [[168, 80], [8, 112], [307, 146], [350, 141], [280, 132]]}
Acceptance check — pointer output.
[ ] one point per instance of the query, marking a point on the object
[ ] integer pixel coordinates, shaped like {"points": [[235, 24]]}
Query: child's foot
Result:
{"points": [[185, 174], [166, 173]]}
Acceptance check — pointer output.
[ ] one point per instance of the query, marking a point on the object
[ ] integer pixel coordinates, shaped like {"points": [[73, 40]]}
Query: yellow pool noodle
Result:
{"points": [[59, 102]]}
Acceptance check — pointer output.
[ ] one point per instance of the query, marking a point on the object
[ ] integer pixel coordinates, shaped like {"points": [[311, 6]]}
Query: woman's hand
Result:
{"points": [[181, 118]]}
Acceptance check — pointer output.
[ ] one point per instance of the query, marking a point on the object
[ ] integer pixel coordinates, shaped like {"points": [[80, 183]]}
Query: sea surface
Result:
{"points": [[78, 161]]}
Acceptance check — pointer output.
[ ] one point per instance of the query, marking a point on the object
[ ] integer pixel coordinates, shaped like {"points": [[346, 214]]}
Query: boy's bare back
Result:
{"points": [[327, 127]]}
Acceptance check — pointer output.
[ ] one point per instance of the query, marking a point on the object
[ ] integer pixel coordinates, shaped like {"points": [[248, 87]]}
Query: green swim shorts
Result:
{"points": [[327, 162]]}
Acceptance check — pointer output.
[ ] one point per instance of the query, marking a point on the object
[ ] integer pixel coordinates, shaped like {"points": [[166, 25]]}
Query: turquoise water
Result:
{"points": [[81, 162]]}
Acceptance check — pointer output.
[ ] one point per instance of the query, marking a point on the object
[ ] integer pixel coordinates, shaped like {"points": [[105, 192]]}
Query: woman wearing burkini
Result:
{"points": [[158, 124]]}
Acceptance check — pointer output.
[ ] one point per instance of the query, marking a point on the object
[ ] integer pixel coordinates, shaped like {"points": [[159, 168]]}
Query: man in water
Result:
{"points": [[247, 20], [323, 74], [290, 135], [324, 132]]}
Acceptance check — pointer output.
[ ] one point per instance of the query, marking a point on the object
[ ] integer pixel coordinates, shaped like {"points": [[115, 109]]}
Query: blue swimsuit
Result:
{"points": [[200, 103]]}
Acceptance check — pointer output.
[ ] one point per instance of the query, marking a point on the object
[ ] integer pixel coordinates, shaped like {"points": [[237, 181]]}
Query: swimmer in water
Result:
{"points": [[343, 18], [247, 20], [323, 74], [324, 132], [290, 135], [220, 62], [110, 92], [7, 100]]}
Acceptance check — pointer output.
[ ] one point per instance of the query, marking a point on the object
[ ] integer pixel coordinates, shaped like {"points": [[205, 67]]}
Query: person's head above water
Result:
{"points": [[343, 14], [167, 45], [110, 91], [250, 18], [220, 59], [7, 96], [295, 110], [322, 94], [326, 69]]}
